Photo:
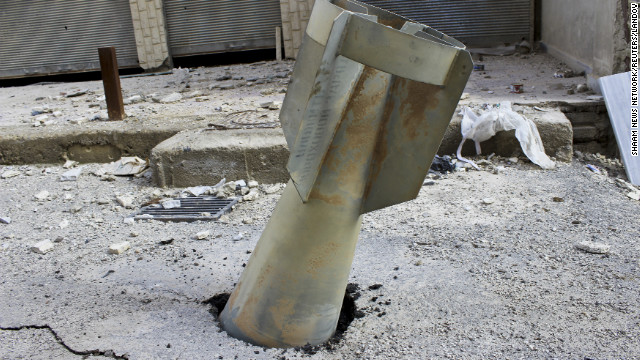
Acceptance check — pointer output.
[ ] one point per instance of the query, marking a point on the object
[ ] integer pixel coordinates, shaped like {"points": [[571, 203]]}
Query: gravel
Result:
{"points": [[448, 275]]}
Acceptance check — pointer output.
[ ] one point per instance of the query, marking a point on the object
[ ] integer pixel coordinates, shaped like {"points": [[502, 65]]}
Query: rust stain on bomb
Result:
{"points": [[420, 98]]}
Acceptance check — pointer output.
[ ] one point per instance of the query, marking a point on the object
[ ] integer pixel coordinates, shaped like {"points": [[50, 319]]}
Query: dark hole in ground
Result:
{"points": [[348, 313]]}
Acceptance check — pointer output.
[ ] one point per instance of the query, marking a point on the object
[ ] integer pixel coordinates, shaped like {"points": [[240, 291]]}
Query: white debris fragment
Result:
{"points": [[131, 165], [42, 195], [10, 173], [230, 186], [238, 237], [42, 247], [5, 220], [77, 93], [129, 221], [252, 184], [70, 164], [42, 118], [193, 94], [170, 204], [593, 247], [271, 105], [132, 100], [635, 195], [173, 97], [119, 248], [241, 183], [252, 195], [272, 189], [488, 201], [202, 235], [63, 224], [71, 175], [125, 201]]}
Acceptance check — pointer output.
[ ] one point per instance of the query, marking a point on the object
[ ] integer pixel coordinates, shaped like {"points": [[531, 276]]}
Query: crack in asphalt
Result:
{"points": [[106, 353]]}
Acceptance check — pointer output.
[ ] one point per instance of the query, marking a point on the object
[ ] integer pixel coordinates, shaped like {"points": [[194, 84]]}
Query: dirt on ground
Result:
{"points": [[510, 262], [250, 94]]}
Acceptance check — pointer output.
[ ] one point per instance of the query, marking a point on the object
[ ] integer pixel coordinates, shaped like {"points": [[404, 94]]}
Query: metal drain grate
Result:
{"points": [[190, 209]]}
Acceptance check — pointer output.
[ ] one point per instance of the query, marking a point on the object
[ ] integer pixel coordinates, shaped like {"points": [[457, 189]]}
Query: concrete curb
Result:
{"points": [[91, 142], [200, 157]]}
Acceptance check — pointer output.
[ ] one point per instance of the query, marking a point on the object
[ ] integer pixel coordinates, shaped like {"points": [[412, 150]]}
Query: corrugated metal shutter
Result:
{"points": [[40, 37], [474, 22], [205, 26]]}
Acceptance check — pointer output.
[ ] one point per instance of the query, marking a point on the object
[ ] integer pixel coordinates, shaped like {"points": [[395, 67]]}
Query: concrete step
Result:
{"points": [[201, 157]]}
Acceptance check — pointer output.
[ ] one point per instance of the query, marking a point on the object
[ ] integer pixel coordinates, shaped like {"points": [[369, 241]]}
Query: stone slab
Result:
{"points": [[202, 157]]}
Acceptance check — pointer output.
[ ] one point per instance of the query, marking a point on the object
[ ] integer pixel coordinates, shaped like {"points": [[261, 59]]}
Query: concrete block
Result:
{"points": [[554, 128], [202, 157], [119, 248], [42, 247]]}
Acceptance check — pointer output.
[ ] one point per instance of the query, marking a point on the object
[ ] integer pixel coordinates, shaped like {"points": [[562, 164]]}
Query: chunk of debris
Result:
{"points": [[63, 224], [10, 173], [71, 175], [70, 164], [171, 98], [77, 93], [238, 237], [203, 235], [132, 100], [42, 247], [442, 164], [252, 195], [125, 201], [42, 195], [170, 204], [635, 195], [119, 248], [488, 201], [271, 105], [125, 166], [5, 220], [593, 247]]}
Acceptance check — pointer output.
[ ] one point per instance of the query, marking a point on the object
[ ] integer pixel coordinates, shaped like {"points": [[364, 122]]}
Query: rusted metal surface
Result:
{"points": [[363, 122], [111, 82]]}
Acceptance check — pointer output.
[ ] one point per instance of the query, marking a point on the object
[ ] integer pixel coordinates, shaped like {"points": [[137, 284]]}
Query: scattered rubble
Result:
{"points": [[126, 201], [42, 247], [42, 196], [119, 248], [203, 235], [10, 173], [593, 247], [71, 175]]}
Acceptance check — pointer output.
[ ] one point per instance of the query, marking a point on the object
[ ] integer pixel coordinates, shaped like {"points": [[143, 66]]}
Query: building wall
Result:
{"points": [[150, 33], [295, 16], [586, 34]]}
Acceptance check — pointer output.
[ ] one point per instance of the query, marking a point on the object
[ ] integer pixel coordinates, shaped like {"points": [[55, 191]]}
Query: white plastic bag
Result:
{"points": [[503, 118]]}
